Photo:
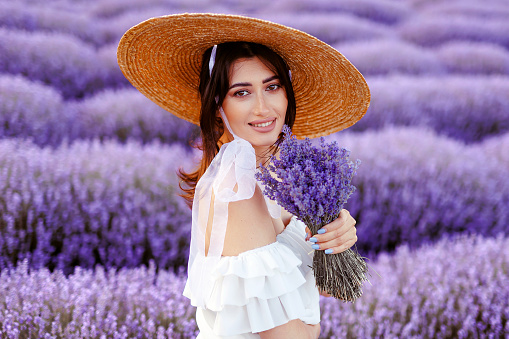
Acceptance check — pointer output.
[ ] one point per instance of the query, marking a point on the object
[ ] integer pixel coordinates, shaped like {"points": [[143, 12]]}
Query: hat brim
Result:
{"points": [[162, 57]]}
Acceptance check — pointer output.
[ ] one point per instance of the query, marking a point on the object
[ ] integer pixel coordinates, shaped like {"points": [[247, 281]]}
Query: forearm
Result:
{"points": [[293, 329]]}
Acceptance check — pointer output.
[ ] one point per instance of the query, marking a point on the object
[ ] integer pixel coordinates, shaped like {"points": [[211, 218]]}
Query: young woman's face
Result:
{"points": [[255, 104]]}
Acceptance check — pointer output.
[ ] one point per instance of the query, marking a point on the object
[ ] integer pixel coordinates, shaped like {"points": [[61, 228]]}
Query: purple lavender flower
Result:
{"points": [[62, 61], [331, 27], [434, 30], [456, 288], [314, 183], [466, 278], [92, 203], [142, 302], [125, 114], [383, 11], [377, 57], [415, 187], [468, 108], [474, 57], [32, 110]]}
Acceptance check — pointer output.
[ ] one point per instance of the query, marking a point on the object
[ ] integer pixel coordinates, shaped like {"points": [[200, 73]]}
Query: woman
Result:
{"points": [[249, 267]]}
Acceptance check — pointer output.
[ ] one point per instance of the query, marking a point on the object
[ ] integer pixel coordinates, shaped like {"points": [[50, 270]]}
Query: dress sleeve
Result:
{"points": [[294, 236], [261, 289]]}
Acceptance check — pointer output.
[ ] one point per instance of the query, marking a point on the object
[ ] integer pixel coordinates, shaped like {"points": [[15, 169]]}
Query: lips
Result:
{"points": [[265, 125], [262, 123]]}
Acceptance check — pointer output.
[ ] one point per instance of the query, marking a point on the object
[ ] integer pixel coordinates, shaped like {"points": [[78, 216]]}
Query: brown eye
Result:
{"points": [[273, 87], [242, 93]]}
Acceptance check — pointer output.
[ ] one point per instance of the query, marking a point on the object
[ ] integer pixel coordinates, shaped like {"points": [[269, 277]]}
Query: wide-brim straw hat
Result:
{"points": [[162, 58]]}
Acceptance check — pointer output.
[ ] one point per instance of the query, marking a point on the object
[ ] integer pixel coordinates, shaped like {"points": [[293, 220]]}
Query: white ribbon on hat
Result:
{"points": [[212, 59], [232, 168]]}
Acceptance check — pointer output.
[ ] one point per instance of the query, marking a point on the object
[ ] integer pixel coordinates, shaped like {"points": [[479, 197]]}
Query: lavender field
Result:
{"points": [[94, 239]]}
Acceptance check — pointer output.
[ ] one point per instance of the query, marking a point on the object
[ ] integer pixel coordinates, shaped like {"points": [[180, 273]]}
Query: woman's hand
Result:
{"points": [[336, 237]]}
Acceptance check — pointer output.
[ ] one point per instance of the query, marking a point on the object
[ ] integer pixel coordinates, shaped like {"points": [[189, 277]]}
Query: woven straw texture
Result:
{"points": [[162, 56]]}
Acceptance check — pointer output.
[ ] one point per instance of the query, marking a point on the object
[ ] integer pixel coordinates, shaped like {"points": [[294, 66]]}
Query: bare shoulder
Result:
{"points": [[249, 225]]}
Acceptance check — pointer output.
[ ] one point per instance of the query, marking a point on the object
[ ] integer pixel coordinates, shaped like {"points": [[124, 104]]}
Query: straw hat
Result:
{"points": [[162, 57]]}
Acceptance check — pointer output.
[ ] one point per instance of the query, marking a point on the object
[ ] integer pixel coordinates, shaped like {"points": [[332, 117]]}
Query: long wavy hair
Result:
{"points": [[216, 85]]}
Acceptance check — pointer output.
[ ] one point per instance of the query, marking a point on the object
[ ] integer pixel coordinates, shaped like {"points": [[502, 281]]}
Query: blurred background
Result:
{"points": [[94, 237]]}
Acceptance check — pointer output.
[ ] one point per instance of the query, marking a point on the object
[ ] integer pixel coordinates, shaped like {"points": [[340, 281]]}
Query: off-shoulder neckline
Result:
{"points": [[264, 247]]}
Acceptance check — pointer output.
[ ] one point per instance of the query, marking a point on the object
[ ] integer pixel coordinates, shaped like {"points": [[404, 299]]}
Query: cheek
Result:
{"points": [[283, 107]]}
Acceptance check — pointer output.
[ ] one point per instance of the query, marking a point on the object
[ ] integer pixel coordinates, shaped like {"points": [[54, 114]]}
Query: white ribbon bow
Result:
{"points": [[233, 167]]}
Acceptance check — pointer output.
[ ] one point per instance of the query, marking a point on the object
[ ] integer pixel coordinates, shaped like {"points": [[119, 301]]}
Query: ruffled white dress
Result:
{"points": [[238, 296], [262, 288]]}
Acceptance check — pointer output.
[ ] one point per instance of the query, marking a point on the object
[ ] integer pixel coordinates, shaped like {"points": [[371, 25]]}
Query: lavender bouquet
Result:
{"points": [[313, 183]]}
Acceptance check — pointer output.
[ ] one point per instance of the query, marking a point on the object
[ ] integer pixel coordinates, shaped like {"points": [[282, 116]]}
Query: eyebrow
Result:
{"points": [[245, 84]]}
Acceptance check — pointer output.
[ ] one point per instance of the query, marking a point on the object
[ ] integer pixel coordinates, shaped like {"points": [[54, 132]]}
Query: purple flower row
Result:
{"points": [[99, 23], [332, 27], [332, 21], [114, 204], [456, 288], [60, 60], [92, 203], [75, 53], [382, 11], [495, 9], [434, 30], [45, 17], [94, 303], [389, 56], [102, 23], [29, 109], [124, 114], [415, 187], [466, 108]]}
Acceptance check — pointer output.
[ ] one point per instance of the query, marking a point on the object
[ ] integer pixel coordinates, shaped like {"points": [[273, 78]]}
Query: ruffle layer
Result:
{"points": [[263, 314], [263, 273], [263, 288], [294, 236]]}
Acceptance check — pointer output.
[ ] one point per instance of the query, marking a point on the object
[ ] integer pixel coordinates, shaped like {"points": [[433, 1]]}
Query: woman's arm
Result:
{"points": [[249, 225], [294, 329]]}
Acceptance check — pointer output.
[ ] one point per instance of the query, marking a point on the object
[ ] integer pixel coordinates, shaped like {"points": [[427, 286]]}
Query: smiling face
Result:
{"points": [[255, 104]]}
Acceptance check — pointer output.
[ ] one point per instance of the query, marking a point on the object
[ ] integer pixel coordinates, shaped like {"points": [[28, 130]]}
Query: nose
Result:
{"points": [[261, 107]]}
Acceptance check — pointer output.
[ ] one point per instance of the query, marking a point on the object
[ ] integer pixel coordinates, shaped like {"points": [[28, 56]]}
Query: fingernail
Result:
{"points": [[321, 231], [315, 247], [313, 239], [329, 251]]}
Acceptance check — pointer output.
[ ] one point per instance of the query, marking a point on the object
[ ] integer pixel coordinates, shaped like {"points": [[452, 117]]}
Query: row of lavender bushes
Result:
{"points": [[113, 204], [79, 69], [91, 203], [331, 21], [467, 108], [414, 187], [31, 110], [116, 205], [456, 288]]}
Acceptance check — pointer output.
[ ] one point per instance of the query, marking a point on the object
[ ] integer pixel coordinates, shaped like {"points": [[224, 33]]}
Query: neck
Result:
{"points": [[263, 153]]}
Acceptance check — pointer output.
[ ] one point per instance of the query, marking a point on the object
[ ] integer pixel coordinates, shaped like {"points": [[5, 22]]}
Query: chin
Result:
{"points": [[265, 143]]}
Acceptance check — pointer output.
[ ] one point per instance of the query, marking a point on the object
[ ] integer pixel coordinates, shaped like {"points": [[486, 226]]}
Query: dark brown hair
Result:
{"points": [[216, 85]]}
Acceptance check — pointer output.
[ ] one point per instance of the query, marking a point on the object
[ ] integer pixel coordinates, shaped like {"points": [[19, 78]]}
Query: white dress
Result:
{"points": [[262, 288]]}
